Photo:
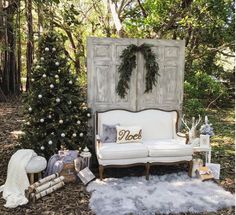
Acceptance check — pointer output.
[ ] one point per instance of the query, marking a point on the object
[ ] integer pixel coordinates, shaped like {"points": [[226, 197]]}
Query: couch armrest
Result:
{"points": [[98, 138], [181, 136], [98, 142]]}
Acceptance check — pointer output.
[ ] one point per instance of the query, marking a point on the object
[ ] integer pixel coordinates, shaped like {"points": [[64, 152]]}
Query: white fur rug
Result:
{"points": [[173, 193]]}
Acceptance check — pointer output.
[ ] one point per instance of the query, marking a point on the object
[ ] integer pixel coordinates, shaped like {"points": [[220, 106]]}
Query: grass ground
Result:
{"points": [[223, 145], [73, 198]]}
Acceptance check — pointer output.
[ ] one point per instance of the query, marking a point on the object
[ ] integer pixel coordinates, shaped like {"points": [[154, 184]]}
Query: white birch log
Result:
{"points": [[48, 191], [49, 184], [42, 181]]}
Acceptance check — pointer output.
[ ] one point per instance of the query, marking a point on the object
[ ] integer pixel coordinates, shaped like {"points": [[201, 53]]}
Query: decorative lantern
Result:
{"points": [[204, 141], [86, 155]]}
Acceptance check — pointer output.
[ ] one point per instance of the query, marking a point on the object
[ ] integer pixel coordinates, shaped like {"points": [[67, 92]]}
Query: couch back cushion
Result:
{"points": [[155, 124]]}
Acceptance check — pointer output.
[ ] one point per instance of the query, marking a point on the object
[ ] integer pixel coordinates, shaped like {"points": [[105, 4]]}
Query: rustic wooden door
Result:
{"points": [[102, 64], [168, 93]]}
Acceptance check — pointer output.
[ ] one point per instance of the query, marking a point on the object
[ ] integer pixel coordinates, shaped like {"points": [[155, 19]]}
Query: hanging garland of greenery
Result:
{"points": [[128, 63]]}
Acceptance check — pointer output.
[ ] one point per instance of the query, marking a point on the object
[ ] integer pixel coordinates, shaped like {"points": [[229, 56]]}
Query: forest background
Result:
{"points": [[207, 26]]}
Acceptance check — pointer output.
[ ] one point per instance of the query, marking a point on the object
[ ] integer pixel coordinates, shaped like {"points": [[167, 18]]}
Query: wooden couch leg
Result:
{"points": [[190, 167], [147, 170], [101, 170]]}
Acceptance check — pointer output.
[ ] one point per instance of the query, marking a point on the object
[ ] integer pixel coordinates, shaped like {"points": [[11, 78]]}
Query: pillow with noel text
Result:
{"points": [[129, 134]]}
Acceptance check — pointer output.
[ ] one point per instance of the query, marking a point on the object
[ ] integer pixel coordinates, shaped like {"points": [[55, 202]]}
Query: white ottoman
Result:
{"points": [[36, 165]]}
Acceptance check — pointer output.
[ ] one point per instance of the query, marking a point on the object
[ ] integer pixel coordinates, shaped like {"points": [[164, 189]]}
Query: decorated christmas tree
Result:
{"points": [[56, 113]]}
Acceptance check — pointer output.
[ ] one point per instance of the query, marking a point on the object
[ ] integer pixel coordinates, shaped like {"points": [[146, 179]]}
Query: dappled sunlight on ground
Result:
{"points": [[223, 145]]}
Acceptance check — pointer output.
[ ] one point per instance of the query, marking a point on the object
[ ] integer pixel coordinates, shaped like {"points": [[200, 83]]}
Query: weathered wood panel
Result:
{"points": [[168, 94], [103, 59]]}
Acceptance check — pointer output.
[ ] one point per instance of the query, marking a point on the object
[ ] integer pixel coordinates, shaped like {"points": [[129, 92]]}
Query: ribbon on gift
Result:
{"points": [[208, 172]]}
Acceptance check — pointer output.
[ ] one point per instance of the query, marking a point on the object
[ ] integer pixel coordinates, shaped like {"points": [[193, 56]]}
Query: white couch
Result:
{"points": [[161, 144]]}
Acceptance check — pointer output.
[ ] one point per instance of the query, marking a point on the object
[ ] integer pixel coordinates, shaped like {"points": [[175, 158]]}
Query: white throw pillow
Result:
{"points": [[129, 134]]}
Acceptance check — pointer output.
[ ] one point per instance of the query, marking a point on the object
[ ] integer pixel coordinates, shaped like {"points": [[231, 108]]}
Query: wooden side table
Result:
{"points": [[207, 152]]}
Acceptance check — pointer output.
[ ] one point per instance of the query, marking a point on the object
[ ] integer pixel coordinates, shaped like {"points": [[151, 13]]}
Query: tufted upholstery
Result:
{"points": [[168, 148], [122, 151]]}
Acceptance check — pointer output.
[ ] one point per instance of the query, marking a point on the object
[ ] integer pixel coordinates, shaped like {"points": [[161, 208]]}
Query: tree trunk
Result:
{"points": [[19, 64], [4, 53], [8, 58], [12, 56], [116, 19], [2, 42], [40, 19], [30, 42], [9, 66]]}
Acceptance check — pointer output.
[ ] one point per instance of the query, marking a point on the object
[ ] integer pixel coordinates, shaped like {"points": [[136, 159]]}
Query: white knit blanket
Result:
{"points": [[17, 181]]}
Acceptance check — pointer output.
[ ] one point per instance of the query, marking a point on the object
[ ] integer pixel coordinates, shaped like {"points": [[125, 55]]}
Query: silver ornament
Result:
{"points": [[70, 82], [44, 76], [60, 121], [57, 63], [51, 86], [32, 79], [58, 100], [46, 49], [50, 142], [81, 134], [78, 122], [56, 76], [63, 135], [54, 49], [41, 120], [74, 134], [88, 115], [42, 148], [30, 109], [40, 96], [42, 58], [49, 116]]}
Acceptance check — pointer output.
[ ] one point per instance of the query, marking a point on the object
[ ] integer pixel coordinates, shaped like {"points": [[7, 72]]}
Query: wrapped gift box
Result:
{"points": [[204, 173]]}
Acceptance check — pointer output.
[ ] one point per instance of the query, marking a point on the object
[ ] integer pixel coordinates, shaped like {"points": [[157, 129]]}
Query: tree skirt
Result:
{"points": [[173, 193]]}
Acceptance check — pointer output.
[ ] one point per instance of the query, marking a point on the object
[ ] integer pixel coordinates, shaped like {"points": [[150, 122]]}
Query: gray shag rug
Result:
{"points": [[167, 194]]}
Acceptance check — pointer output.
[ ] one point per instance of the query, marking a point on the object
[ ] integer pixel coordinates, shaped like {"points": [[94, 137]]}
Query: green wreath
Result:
{"points": [[128, 63]]}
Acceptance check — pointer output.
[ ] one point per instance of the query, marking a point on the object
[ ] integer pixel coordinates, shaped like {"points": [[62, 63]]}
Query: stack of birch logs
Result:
{"points": [[44, 187]]}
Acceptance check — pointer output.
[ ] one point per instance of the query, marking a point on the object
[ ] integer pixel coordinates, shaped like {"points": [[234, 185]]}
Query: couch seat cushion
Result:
{"points": [[122, 151], [168, 148]]}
